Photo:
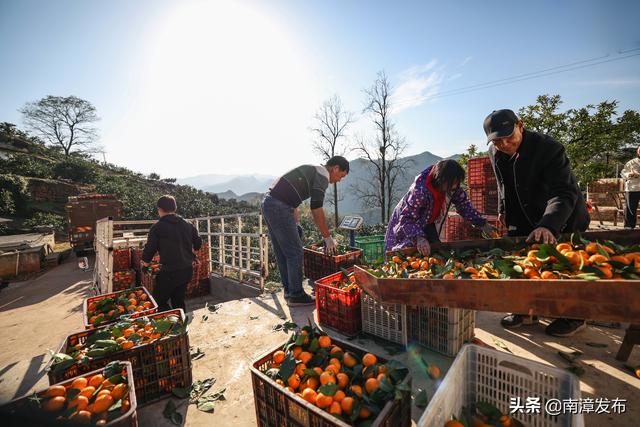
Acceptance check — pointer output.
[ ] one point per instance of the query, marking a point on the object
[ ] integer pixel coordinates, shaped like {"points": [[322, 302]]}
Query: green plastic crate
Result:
{"points": [[372, 247]]}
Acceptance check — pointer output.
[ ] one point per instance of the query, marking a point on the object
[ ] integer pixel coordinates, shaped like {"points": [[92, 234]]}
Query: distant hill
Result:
{"points": [[252, 198], [239, 184]]}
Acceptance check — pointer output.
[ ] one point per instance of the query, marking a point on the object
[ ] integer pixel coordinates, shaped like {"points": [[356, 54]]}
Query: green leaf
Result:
{"points": [[386, 386], [300, 339], [116, 379], [180, 392], [72, 393], [310, 372], [421, 399], [116, 406], [313, 347], [161, 326], [288, 367], [328, 389], [602, 252], [206, 406], [488, 410], [100, 335]]}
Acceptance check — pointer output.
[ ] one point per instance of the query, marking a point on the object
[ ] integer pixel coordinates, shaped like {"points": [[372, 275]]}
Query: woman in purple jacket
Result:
{"points": [[413, 222]]}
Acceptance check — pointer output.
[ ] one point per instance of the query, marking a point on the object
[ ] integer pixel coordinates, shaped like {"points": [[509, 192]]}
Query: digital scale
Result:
{"points": [[351, 223]]}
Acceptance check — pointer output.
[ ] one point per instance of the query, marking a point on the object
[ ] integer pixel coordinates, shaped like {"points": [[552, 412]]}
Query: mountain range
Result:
{"points": [[251, 187]]}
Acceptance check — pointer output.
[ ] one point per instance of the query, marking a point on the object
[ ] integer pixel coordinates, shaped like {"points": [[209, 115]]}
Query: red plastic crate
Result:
{"points": [[456, 228], [121, 259], [197, 287], [480, 172], [338, 308], [318, 265], [19, 412], [158, 367], [123, 280], [115, 295], [484, 199]]}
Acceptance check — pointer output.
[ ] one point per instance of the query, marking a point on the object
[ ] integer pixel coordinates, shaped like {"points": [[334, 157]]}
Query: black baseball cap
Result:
{"points": [[500, 124]]}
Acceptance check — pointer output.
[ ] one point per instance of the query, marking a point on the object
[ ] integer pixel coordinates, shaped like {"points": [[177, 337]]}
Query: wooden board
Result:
{"points": [[606, 300]]}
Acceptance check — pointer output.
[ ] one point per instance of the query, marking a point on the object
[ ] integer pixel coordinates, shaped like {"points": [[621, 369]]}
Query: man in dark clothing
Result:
{"points": [[176, 240], [280, 211], [539, 196]]}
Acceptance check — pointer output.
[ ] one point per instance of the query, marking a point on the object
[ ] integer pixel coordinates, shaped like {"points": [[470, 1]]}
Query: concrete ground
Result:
{"points": [[37, 314]]}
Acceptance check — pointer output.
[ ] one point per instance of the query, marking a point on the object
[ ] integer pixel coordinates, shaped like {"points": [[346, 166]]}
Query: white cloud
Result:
{"points": [[454, 77], [610, 82], [466, 60], [416, 85]]}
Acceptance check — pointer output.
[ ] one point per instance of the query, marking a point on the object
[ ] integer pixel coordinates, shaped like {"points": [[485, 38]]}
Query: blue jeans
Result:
{"points": [[286, 242]]}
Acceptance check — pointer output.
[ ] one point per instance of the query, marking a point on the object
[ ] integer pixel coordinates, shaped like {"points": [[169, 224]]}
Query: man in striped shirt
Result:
{"points": [[280, 211]]}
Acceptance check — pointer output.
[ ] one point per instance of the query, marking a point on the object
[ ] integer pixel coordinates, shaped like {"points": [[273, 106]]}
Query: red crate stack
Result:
{"points": [[484, 199], [338, 308], [123, 280], [121, 259], [457, 228], [480, 172], [482, 185]]}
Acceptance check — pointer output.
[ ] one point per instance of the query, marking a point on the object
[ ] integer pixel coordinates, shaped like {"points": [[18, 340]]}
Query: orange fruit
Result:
{"points": [[80, 402], [327, 377], [147, 304], [597, 258], [294, 381], [347, 405], [453, 423], [107, 385], [532, 254], [369, 360], [622, 259], [305, 356], [55, 390], [573, 257], [380, 377], [92, 306], [424, 265], [506, 421], [356, 389], [101, 423], [548, 275], [343, 380], [131, 308], [126, 405], [371, 385], [79, 383], [82, 418], [396, 259], [96, 380], [324, 341], [434, 372], [87, 392], [382, 369], [311, 382], [126, 345], [127, 332], [367, 376], [471, 270], [300, 369], [323, 401], [118, 391], [335, 349], [339, 396], [531, 273], [364, 413], [104, 392], [309, 395], [133, 301], [296, 352], [349, 360], [335, 408], [280, 382], [318, 370], [563, 247], [592, 248], [278, 356], [335, 362], [415, 265], [102, 403], [54, 404], [333, 368], [606, 270], [448, 276]]}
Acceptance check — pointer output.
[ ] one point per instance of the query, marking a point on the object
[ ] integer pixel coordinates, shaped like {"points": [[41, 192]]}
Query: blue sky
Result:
{"points": [[194, 87]]}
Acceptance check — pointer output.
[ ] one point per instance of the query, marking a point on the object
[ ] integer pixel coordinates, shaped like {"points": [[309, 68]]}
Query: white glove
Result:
{"points": [[423, 246], [329, 245]]}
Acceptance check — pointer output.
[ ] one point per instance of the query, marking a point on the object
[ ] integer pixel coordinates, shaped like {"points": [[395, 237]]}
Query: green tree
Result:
{"points": [[76, 169], [597, 140]]}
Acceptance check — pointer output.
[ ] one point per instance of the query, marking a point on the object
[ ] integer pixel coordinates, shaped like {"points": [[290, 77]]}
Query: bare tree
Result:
{"points": [[331, 122], [66, 122], [383, 152]]}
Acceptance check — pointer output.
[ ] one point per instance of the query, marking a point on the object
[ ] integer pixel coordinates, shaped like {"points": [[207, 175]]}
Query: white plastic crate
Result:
{"points": [[387, 321], [480, 374], [440, 329]]}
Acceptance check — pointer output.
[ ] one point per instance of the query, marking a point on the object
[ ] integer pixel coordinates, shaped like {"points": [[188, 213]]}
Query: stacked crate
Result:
{"points": [[457, 228]]}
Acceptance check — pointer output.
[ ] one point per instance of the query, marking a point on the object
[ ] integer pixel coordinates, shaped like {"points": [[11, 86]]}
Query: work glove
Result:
{"points": [[489, 231], [423, 246], [329, 245]]}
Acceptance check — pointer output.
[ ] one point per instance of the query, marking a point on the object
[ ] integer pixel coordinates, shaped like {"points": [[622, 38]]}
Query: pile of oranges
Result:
{"points": [[567, 260], [339, 382], [112, 306], [124, 335], [349, 284], [86, 400], [482, 414]]}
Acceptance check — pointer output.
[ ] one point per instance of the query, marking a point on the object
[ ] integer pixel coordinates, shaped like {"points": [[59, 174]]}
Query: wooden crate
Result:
{"points": [[607, 300]]}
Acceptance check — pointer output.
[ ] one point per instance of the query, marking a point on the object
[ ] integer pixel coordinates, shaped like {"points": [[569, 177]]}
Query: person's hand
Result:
{"points": [[329, 245], [542, 235], [489, 231], [423, 246], [502, 219]]}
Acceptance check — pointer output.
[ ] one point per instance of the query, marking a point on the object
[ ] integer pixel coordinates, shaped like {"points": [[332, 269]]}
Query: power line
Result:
{"points": [[522, 77]]}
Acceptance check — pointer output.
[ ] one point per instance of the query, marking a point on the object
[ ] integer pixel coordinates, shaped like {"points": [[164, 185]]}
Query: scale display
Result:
{"points": [[351, 222]]}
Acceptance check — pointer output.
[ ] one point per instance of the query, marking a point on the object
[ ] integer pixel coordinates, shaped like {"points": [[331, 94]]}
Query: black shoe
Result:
{"points": [[513, 320], [302, 299], [565, 327]]}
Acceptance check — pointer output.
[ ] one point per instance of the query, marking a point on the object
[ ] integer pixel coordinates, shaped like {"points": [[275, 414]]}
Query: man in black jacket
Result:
{"points": [[539, 196], [176, 240]]}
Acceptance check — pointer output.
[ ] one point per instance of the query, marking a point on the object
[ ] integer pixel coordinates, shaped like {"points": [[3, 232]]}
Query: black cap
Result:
{"points": [[500, 124]]}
